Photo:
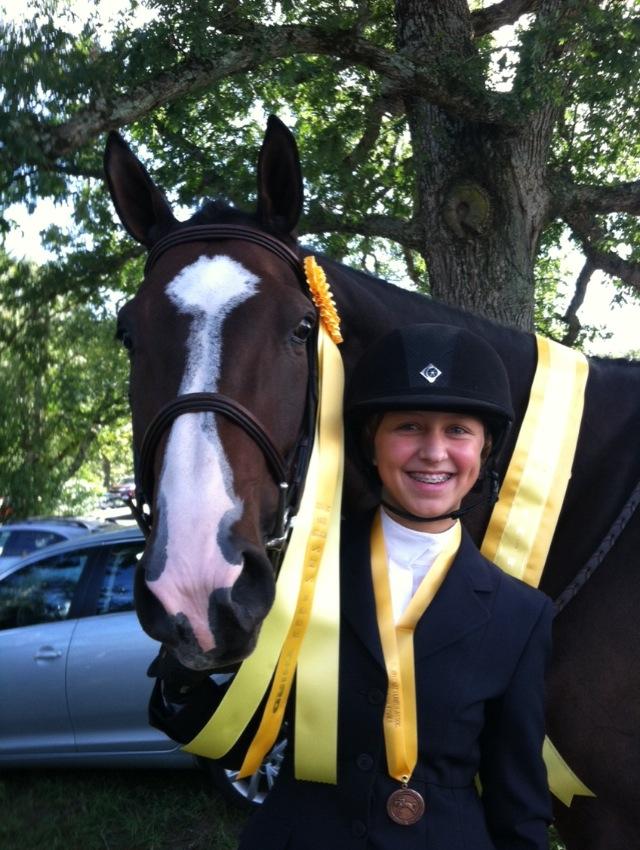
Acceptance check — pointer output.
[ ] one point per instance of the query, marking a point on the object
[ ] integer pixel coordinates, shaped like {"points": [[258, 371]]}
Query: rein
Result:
{"points": [[620, 523], [288, 477]]}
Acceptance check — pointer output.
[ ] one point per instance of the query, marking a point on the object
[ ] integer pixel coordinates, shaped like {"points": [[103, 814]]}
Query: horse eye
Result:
{"points": [[303, 331]]}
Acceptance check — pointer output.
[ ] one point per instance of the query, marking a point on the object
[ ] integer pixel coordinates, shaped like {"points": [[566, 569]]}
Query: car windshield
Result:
{"points": [[17, 543]]}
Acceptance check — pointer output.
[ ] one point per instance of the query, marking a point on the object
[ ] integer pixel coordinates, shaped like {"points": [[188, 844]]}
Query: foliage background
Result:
{"points": [[395, 106]]}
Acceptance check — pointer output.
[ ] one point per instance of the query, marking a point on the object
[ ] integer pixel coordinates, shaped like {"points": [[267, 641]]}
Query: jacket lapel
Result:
{"points": [[461, 605], [356, 591]]}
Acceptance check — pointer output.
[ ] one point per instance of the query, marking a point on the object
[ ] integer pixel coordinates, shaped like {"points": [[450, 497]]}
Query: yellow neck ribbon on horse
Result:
{"points": [[307, 601], [524, 520], [400, 713]]}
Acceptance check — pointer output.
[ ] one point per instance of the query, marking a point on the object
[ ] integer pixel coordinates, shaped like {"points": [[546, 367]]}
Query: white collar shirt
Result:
{"points": [[411, 555]]}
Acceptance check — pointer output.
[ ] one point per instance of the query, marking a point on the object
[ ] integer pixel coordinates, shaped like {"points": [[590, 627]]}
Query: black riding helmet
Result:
{"points": [[429, 367]]}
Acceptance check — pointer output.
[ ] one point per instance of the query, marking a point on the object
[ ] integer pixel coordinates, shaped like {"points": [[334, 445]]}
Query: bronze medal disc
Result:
{"points": [[405, 806]]}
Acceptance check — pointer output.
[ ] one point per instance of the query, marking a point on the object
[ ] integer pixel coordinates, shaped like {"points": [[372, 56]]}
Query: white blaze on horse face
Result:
{"points": [[196, 501]]}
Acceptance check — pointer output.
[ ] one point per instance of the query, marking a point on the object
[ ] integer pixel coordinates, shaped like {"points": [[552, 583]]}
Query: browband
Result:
{"points": [[215, 232]]}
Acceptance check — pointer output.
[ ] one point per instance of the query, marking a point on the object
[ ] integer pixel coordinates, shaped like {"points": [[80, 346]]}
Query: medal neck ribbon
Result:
{"points": [[400, 713]]}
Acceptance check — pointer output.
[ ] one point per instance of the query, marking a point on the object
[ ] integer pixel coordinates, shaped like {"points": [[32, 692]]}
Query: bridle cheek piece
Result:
{"points": [[288, 476]]}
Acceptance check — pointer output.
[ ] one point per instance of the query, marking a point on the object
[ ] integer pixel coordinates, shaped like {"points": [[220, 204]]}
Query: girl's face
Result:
{"points": [[428, 461]]}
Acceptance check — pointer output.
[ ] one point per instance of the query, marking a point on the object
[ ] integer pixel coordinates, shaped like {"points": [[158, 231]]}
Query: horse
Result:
{"points": [[220, 336]]}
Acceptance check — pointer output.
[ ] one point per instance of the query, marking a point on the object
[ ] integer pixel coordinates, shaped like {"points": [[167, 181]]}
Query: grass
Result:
{"points": [[119, 810], [115, 810], [554, 840]]}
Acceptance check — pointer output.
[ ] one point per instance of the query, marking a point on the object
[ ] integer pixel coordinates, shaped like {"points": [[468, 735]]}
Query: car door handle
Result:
{"points": [[47, 653]]}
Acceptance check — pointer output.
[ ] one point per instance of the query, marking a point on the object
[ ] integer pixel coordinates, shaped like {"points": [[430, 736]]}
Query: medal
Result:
{"points": [[400, 720], [405, 806]]}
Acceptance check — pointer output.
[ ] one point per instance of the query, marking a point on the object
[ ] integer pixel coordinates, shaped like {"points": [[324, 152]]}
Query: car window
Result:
{"points": [[41, 592], [116, 591], [19, 543]]}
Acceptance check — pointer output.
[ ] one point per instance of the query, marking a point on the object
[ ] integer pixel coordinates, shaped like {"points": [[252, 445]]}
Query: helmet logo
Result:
{"points": [[431, 373]]}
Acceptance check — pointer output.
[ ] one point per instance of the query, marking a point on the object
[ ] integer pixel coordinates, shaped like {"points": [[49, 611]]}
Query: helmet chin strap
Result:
{"points": [[491, 496]]}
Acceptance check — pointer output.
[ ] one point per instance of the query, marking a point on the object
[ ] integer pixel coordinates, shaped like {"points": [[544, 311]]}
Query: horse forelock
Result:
{"points": [[218, 211]]}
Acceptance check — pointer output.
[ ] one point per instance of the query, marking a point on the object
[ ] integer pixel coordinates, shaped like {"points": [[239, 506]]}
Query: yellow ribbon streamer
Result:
{"points": [[316, 724], [400, 712], [524, 520], [327, 507]]}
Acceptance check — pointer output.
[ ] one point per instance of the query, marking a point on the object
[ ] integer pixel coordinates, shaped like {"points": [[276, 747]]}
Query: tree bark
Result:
{"points": [[481, 194]]}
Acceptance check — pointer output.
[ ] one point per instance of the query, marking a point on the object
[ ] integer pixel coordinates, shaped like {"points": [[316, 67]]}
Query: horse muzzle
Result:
{"points": [[213, 629]]}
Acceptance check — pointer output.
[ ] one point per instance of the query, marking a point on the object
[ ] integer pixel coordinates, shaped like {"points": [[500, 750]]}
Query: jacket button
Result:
{"points": [[364, 761], [375, 696], [358, 828]]}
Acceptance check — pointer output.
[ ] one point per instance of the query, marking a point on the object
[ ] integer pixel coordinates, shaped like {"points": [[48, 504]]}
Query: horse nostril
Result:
{"points": [[225, 607], [183, 631], [255, 586], [236, 612]]}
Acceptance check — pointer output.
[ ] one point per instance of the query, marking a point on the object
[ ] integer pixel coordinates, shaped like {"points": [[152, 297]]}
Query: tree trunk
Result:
{"points": [[106, 472], [481, 195]]}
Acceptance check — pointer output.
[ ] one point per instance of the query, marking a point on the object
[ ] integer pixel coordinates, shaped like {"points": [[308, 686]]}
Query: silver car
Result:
{"points": [[73, 683], [18, 539]]}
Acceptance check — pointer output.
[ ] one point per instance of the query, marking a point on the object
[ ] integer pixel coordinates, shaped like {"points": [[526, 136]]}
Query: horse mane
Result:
{"points": [[625, 362], [222, 211], [382, 302]]}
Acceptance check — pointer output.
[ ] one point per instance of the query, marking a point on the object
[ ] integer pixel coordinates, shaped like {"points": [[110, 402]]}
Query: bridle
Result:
{"points": [[289, 474]]}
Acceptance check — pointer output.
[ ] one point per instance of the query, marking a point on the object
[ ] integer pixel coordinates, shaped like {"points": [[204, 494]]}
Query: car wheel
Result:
{"points": [[251, 791]]}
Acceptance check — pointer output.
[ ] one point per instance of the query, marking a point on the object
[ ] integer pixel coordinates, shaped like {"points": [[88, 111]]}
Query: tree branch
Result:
{"points": [[500, 14], [258, 46], [377, 109], [404, 233], [420, 281], [627, 271], [584, 199], [69, 170], [570, 317], [589, 234]]}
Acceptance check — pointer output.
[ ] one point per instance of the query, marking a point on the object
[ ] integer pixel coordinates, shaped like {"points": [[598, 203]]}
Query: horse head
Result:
{"points": [[218, 335]]}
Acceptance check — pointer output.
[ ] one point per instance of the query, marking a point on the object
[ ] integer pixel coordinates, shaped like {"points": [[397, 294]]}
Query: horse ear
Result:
{"points": [[279, 179], [141, 206]]}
